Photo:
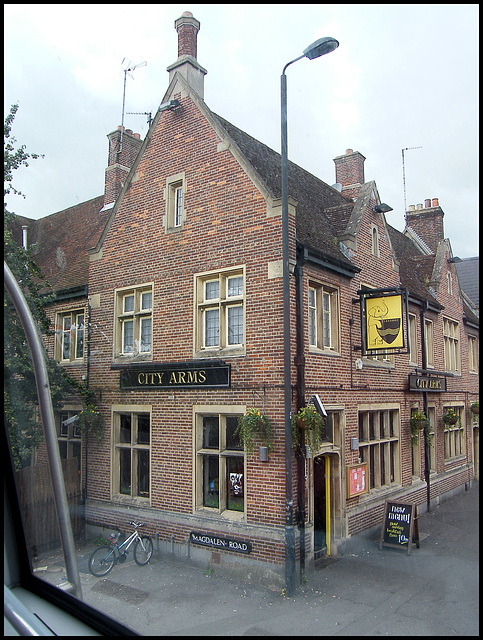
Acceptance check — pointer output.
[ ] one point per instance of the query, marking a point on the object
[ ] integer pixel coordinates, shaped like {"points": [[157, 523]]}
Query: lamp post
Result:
{"points": [[315, 50]]}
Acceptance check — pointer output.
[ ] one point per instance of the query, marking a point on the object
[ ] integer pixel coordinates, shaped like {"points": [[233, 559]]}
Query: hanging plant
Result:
{"points": [[475, 408], [450, 417], [252, 426], [309, 420], [417, 423], [90, 421]]}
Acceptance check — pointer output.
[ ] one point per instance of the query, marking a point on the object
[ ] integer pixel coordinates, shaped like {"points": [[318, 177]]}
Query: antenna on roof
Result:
{"points": [[142, 113], [130, 67], [404, 179]]}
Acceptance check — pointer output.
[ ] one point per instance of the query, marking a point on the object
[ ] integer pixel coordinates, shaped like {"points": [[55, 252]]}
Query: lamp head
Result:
{"points": [[320, 48]]}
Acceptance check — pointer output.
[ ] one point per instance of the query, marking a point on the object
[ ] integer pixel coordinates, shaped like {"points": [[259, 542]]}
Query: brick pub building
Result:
{"points": [[176, 292]]}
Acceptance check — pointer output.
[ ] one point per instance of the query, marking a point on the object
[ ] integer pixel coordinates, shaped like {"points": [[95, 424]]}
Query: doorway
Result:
{"points": [[321, 506]]}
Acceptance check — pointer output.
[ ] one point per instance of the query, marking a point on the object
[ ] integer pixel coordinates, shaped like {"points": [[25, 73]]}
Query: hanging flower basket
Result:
{"points": [[252, 426], [312, 423], [450, 417], [417, 423], [475, 408]]}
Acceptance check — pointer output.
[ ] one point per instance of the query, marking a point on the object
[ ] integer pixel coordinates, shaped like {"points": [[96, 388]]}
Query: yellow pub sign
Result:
{"points": [[383, 321]]}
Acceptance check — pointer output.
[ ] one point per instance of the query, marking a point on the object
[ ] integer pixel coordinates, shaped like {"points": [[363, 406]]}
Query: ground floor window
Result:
{"points": [[131, 455], [454, 435], [220, 463], [379, 431], [69, 436]]}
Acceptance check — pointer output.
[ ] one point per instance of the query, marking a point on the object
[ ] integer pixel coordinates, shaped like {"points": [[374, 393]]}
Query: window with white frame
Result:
{"points": [[70, 335], [451, 334], [323, 317], [220, 312], [131, 453], [134, 321], [379, 431], [220, 464], [175, 206], [454, 435]]}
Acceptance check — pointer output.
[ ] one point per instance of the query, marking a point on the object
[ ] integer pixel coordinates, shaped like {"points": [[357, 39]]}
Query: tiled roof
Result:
{"points": [[63, 239], [314, 228], [414, 267], [469, 277]]}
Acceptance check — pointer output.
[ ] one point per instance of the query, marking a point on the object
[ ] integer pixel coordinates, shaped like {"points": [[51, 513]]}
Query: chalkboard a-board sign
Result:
{"points": [[400, 525]]}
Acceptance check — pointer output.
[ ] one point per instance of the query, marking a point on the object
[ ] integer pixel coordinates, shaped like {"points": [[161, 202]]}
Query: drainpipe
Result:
{"points": [[300, 366], [425, 405]]}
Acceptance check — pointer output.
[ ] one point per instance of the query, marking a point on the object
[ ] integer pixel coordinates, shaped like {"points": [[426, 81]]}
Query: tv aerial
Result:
{"points": [[404, 178], [130, 67]]}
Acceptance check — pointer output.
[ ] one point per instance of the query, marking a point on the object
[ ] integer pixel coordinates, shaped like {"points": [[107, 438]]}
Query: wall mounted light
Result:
{"points": [[382, 208]]}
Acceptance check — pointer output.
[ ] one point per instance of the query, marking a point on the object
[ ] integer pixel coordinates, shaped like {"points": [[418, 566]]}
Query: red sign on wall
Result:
{"points": [[357, 479]]}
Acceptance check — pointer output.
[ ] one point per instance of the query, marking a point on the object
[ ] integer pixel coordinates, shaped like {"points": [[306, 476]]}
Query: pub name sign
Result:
{"points": [[179, 375], [427, 383]]}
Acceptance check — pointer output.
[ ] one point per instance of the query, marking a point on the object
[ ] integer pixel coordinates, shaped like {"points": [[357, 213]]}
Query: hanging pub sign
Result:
{"points": [[384, 321], [427, 383]]}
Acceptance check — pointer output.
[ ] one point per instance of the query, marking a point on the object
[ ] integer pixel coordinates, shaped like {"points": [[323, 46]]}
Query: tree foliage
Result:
{"points": [[20, 392]]}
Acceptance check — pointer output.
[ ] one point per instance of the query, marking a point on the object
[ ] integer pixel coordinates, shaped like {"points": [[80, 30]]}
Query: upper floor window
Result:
{"points": [[450, 283], [70, 336], [134, 318], [220, 311], [413, 341], [174, 196], [429, 342], [375, 241], [323, 317], [451, 333], [472, 354]]}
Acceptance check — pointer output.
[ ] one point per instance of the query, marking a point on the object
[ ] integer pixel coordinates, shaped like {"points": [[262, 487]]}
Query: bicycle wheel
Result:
{"points": [[101, 561], [143, 550]]}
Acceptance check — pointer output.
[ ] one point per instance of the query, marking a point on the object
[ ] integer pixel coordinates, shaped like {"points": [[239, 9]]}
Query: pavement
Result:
{"points": [[434, 591]]}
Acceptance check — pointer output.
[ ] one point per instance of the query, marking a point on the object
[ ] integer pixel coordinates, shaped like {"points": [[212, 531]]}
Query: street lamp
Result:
{"points": [[315, 50]]}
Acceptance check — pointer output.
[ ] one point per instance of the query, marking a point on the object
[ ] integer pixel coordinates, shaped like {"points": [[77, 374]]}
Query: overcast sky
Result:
{"points": [[403, 76]]}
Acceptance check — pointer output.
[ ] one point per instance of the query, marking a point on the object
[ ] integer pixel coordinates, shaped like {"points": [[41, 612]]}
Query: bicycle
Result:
{"points": [[104, 558]]}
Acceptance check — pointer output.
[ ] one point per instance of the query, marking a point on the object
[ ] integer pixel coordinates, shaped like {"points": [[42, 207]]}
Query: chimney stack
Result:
{"points": [[427, 222], [187, 64], [349, 172], [119, 164]]}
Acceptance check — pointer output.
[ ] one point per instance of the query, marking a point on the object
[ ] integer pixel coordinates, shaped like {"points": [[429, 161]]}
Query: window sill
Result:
{"points": [[377, 364], [219, 353], [323, 352], [227, 515], [119, 498]]}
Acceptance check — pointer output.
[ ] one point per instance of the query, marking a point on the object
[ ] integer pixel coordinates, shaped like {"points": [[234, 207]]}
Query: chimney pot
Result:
{"points": [[412, 207], [435, 202], [349, 151], [187, 28], [427, 203]]}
